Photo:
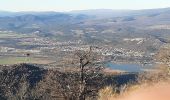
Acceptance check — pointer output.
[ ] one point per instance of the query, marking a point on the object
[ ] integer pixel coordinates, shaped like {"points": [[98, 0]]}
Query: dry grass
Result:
{"points": [[106, 93], [149, 87], [158, 91]]}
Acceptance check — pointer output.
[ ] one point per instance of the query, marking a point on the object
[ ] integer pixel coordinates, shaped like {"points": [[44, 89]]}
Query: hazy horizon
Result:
{"points": [[65, 5], [81, 10]]}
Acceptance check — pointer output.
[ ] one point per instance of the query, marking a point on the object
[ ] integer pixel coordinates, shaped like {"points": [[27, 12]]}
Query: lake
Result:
{"points": [[130, 67]]}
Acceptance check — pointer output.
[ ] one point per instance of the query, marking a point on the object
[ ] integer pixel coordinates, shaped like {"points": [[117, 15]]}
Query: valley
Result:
{"points": [[82, 55]]}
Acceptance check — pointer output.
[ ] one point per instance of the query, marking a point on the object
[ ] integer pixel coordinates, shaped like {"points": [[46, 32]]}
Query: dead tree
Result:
{"points": [[85, 60], [163, 56]]}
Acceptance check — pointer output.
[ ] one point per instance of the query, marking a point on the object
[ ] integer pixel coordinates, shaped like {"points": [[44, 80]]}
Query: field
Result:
{"points": [[17, 60], [4, 35]]}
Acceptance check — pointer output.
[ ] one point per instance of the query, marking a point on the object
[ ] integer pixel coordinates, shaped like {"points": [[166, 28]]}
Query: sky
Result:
{"points": [[69, 5]]}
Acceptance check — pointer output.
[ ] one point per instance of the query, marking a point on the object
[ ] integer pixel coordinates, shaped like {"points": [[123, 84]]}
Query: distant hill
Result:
{"points": [[121, 13], [99, 24]]}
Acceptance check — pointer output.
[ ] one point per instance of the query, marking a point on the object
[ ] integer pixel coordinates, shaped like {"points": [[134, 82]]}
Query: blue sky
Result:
{"points": [[67, 5]]}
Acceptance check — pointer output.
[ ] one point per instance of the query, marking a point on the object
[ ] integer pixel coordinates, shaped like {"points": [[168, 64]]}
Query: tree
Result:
{"points": [[163, 56], [86, 60]]}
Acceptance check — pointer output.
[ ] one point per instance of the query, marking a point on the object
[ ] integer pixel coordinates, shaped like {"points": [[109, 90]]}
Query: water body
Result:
{"points": [[130, 67]]}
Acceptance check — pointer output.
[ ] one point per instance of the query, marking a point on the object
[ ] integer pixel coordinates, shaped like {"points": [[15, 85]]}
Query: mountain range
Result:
{"points": [[98, 24]]}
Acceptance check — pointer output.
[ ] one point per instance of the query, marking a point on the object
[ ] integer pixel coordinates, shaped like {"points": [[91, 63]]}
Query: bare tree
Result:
{"points": [[163, 56], [86, 60]]}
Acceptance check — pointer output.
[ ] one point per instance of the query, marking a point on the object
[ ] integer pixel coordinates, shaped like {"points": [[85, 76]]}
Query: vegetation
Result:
{"points": [[53, 60], [11, 35], [156, 82], [18, 60], [27, 81], [163, 56]]}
